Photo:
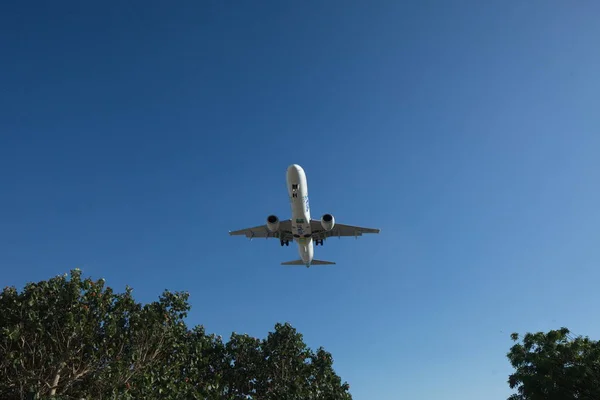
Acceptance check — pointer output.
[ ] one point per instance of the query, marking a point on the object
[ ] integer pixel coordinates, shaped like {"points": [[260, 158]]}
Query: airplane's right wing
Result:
{"points": [[338, 230], [261, 231]]}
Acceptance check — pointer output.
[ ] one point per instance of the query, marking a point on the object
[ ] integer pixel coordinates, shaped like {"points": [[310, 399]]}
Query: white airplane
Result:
{"points": [[301, 228]]}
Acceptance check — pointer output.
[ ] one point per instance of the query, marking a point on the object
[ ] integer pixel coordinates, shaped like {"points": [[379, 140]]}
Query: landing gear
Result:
{"points": [[284, 242], [319, 242]]}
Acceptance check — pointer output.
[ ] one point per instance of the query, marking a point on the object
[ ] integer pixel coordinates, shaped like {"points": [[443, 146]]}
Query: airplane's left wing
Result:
{"points": [[284, 232], [338, 230]]}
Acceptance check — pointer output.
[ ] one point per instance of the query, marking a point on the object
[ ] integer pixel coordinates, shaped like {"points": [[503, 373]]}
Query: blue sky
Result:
{"points": [[134, 136]]}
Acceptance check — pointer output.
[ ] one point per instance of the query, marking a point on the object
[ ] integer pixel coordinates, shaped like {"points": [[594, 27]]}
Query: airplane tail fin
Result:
{"points": [[314, 262]]}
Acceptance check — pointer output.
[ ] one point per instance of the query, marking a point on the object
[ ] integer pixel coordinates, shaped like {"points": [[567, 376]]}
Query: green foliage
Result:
{"points": [[77, 338], [555, 366]]}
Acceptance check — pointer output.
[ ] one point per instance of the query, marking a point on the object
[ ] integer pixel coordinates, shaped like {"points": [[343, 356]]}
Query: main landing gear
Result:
{"points": [[319, 242], [285, 242]]}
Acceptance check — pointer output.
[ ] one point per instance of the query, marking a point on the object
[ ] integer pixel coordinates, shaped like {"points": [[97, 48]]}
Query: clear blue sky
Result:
{"points": [[134, 136]]}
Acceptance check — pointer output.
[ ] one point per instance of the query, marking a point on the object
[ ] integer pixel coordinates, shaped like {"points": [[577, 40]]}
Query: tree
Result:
{"points": [[280, 366], [77, 338], [555, 365]]}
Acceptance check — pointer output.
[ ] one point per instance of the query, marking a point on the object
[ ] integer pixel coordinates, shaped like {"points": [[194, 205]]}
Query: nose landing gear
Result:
{"points": [[319, 242], [285, 242]]}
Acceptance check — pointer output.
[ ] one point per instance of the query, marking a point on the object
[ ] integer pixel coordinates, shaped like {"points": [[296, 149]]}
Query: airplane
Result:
{"points": [[301, 228]]}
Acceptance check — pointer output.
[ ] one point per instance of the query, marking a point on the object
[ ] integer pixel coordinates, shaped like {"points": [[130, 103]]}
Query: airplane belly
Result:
{"points": [[298, 192], [300, 220], [306, 249]]}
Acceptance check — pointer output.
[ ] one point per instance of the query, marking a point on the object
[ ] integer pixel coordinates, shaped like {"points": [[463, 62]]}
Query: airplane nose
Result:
{"points": [[295, 174], [293, 170]]}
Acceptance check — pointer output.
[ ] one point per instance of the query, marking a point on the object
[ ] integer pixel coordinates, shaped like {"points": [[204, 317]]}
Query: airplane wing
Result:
{"points": [[338, 230], [261, 231]]}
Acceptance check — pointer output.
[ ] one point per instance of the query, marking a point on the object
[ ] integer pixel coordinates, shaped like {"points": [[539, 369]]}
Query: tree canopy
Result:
{"points": [[75, 338], [555, 366], [71, 337]]}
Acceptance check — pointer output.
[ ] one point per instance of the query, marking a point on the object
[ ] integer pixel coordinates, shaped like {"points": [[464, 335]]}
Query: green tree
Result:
{"points": [[244, 363], [555, 366], [281, 366], [77, 338]]}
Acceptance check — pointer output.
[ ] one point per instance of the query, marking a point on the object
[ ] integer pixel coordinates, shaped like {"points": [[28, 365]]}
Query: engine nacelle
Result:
{"points": [[327, 222], [273, 223]]}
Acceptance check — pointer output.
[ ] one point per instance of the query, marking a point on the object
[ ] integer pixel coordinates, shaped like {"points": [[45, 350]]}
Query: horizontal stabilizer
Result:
{"points": [[296, 262], [321, 262], [314, 262]]}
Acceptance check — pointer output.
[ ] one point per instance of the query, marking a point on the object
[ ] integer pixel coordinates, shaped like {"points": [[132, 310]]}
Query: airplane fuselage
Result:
{"points": [[298, 194]]}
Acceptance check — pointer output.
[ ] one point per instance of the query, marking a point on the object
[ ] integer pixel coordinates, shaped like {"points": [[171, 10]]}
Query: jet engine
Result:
{"points": [[273, 223], [327, 222]]}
